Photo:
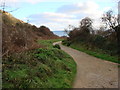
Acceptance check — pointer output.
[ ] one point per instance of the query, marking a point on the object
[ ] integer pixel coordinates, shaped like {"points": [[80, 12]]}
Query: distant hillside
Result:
{"points": [[19, 36]]}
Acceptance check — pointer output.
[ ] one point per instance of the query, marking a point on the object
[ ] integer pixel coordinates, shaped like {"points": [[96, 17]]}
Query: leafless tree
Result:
{"points": [[111, 22], [70, 27], [87, 22]]}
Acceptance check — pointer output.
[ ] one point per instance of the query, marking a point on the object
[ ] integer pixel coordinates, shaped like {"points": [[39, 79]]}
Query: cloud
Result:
{"points": [[29, 1], [49, 16], [22, 1], [69, 14], [66, 14], [57, 21], [82, 10], [38, 1], [79, 7]]}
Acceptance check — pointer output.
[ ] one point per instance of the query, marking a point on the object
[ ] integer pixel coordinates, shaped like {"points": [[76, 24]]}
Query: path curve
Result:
{"points": [[91, 71]]}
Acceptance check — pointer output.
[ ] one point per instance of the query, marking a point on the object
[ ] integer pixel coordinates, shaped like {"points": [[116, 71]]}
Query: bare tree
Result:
{"points": [[111, 22], [66, 31], [87, 22], [70, 27], [86, 25]]}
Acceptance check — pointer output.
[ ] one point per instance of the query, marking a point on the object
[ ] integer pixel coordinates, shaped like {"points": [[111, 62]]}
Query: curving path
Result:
{"points": [[91, 71]]}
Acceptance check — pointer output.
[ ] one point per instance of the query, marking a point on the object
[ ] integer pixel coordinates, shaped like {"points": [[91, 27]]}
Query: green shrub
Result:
{"points": [[98, 41], [40, 68], [97, 52], [57, 46], [65, 42]]}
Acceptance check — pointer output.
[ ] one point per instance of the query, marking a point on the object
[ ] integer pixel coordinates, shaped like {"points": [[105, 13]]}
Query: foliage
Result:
{"points": [[98, 41], [101, 40], [39, 68], [96, 52], [109, 19], [83, 32], [57, 46], [48, 43], [105, 40], [112, 22], [65, 42], [86, 22], [19, 36]]}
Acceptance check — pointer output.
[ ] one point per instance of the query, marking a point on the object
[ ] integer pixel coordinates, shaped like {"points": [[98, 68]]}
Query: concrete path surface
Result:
{"points": [[91, 71]]}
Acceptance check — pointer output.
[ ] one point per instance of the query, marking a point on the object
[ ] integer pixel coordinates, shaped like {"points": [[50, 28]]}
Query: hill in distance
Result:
{"points": [[18, 36]]}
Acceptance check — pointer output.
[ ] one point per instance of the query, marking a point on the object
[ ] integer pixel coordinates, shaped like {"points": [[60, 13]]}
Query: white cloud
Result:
{"points": [[29, 1], [48, 16], [37, 1], [85, 7], [56, 21], [68, 14], [82, 10]]}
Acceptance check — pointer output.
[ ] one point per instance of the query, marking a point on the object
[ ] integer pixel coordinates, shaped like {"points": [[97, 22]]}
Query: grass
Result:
{"points": [[9, 19], [40, 68], [97, 53], [48, 43]]}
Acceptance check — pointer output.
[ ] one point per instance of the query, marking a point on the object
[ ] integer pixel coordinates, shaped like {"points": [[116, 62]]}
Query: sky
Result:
{"points": [[58, 14]]}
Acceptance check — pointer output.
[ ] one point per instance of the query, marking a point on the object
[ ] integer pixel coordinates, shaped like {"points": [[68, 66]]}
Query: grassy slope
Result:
{"points": [[97, 53], [40, 68], [48, 43]]}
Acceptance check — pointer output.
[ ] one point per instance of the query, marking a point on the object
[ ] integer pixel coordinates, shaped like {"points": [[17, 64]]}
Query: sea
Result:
{"points": [[60, 33]]}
